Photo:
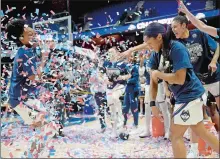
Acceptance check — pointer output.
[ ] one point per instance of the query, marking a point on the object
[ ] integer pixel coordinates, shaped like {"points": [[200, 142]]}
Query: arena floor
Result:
{"points": [[85, 141]]}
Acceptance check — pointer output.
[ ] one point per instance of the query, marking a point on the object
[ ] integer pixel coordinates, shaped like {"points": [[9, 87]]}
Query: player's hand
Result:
{"points": [[213, 66], [156, 113], [125, 54], [120, 78], [182, 7], [154, 74]]}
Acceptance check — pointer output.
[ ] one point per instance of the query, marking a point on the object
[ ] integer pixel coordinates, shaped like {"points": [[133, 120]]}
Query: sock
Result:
{"points": [[194, 147], [147, 117], [166, 115]]}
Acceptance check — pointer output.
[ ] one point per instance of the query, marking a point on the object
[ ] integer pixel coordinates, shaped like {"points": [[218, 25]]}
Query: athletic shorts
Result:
{"points": [[189, 113], [213, 88], [114, 94]]}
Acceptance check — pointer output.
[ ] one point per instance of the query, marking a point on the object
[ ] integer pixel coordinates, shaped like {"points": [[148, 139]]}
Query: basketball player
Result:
{"points": [[22, 97], [200, 46], [183, 83], [114, 91]]}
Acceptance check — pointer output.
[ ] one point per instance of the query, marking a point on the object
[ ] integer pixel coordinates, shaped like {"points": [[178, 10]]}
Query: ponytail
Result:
{"points": [[154, 29]]}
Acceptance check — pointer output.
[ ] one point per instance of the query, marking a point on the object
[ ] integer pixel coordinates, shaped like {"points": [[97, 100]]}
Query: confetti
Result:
{"points": [[1, 13], [52, 12], [37, 11]]}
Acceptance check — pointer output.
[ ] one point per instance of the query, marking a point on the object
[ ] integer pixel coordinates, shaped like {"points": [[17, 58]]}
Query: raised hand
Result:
{"points": [[182, 8]]}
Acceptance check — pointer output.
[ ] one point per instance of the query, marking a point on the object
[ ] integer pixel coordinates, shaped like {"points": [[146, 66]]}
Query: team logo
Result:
{"points": [[185, 115], [32, 115], [195, 51], [132, 27], [194, 36]]}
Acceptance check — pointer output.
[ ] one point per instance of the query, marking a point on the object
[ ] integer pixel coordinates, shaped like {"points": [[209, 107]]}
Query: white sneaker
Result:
{"points": [[193, 154], [145, 134]]}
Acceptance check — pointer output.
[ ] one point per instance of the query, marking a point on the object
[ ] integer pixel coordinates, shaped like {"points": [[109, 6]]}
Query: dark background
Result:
{"points": [[77, 7]]}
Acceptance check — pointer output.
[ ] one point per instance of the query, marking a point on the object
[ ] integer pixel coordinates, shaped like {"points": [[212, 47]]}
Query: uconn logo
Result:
{"points": [[164, 65]]}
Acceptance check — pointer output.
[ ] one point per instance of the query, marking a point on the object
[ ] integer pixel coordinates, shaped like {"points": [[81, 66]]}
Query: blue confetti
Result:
{"points": [[1, 13]]}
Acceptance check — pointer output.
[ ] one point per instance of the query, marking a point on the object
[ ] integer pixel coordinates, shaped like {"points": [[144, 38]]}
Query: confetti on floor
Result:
{"points": [[85, 141]]}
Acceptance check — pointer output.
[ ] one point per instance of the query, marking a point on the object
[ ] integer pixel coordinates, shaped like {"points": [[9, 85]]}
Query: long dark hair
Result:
{"points": [[153, 29]]}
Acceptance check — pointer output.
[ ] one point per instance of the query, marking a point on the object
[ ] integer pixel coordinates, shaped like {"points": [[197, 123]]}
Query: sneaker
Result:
{"points": [[193, 154], [145, 134]]}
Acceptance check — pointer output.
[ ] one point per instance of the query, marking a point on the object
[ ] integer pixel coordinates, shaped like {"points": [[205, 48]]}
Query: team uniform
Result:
{"points": [[190, 96], [23, 93], [98, 88], [201, 48], [115, 91], [131, 95], [21, 88]]}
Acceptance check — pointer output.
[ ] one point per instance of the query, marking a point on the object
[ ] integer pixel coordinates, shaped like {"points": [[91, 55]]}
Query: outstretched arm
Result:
{"points": [[133, 49], [199, 24]]}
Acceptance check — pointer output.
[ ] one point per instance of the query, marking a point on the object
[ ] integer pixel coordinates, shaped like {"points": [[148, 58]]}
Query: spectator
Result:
{"points": [[146, 13]]}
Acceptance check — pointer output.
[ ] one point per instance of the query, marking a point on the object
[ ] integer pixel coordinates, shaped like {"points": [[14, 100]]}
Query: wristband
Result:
{"points": [[152, 103]]}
